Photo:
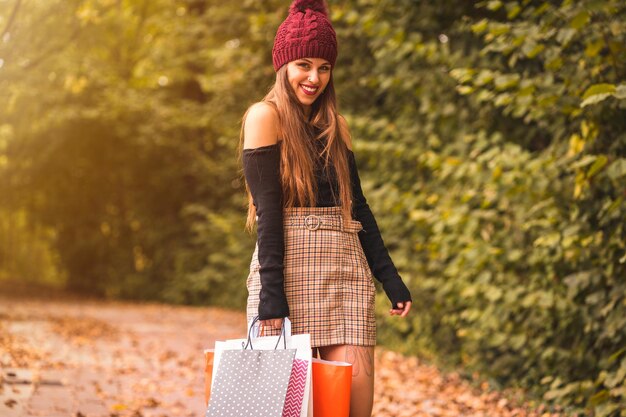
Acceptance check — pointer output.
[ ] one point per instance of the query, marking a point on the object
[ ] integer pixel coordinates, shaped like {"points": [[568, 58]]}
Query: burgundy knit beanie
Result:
{"points": [[306, 32]]}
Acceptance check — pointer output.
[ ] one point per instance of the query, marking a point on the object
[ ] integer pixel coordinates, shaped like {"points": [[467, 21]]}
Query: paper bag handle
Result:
{"points": [[281, 335]]}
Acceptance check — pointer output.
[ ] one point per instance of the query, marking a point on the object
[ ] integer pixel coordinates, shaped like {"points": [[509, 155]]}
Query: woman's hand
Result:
{"points": [[272, 323], [402, 311]]}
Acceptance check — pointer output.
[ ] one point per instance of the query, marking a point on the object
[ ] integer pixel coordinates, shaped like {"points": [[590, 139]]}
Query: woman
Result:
{"points": [[318, 243]]}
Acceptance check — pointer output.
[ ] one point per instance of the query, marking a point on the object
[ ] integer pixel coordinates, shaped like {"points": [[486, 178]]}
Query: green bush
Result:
{"points": [[500, 162]]}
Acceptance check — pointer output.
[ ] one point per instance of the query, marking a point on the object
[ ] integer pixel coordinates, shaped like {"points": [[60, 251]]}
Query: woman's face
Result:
{"points": [[308, 77]]}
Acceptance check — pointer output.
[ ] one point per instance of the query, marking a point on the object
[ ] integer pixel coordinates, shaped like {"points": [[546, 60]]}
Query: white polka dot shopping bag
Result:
{"points": [[262, 376]]}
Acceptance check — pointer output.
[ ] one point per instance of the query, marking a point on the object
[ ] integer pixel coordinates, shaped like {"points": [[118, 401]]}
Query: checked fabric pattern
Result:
{"points": [[295, 390], [328, 282]]}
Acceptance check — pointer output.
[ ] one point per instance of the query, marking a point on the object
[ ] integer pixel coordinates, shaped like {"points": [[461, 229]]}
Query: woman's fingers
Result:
{"points": [[402, 310], [406, 310], [397, 311], [272, 323]]}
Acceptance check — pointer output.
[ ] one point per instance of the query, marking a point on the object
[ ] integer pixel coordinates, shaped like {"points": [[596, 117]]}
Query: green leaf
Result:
{"points": [[503, 99], [503, 82], [518, 341], [594, 48], [580, 20], [598, 89], [554, 64], [497, 29], [565, 35], [514, 10], [483, 77], [599, 397], [465, 89], [615, 356], [583, 162], [480, 27], [548, 240], [617, 378], [598, 164], [595, 99], [494, 5], [532, 49], [597, 93], [493, 294], [462, 75], [617, 169]]}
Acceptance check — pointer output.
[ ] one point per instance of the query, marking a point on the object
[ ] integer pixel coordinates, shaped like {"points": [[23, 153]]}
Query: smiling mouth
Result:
{"points": [[308, 90]]}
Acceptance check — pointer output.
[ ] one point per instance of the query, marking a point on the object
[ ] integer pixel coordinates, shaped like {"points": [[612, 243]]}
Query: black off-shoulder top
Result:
{"points": [[261, 168]]}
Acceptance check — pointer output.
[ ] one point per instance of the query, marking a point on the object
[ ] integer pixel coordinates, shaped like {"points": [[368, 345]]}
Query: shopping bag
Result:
{"points": [[300, 342], [332, 382], [208, 373], [251, 382], [294, 401], [299, 400]]}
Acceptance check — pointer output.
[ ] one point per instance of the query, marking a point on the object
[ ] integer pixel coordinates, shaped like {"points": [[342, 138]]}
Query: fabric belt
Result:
{"points": [[315, 222], [319, 218]]}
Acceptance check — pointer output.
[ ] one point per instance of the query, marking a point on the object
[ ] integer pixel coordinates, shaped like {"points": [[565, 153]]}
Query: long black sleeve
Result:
{"points": [[261, 167], [376, 253]]}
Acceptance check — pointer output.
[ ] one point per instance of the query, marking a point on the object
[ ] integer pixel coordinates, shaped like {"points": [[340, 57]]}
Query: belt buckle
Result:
{"points": [[312, 222]]}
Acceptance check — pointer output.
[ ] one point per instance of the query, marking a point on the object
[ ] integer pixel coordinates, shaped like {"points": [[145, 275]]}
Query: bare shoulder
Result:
{"points": [[260, 126], [345, 131]]}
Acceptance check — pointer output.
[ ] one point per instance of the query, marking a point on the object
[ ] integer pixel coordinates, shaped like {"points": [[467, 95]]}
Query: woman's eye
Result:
{"points": [[303, 65]]}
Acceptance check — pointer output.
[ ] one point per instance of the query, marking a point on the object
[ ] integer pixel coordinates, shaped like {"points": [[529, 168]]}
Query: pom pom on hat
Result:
{"points": [[302, 5], [305, 33]]}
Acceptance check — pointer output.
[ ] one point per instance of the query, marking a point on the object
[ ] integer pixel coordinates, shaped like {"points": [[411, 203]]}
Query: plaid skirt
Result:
{"points": [[328, 283]]}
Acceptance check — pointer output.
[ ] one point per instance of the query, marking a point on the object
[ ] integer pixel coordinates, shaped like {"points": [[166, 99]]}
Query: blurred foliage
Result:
{"points": [[26, 252], [491, 137]]}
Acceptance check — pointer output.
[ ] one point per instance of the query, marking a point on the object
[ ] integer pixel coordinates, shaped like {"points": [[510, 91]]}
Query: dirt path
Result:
{"points": [[109, 359]]}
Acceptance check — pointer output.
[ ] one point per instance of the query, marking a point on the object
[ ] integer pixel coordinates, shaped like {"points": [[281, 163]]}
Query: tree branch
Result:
{"points": [[7, 28], [60, 47]]}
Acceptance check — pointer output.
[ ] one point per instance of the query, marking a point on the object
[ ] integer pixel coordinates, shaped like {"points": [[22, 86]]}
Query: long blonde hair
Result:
{"points": [[298, 148]]}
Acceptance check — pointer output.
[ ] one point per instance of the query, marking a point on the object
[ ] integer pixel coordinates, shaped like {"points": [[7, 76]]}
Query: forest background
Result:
{"points": [[490, 136]]}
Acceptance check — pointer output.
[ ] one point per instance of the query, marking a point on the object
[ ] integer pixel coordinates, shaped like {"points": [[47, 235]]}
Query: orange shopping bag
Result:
{"points": [[331, 388], [208, 373]]}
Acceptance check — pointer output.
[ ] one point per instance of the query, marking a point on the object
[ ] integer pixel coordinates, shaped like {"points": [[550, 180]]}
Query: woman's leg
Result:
{"points": [[362, 360]]}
